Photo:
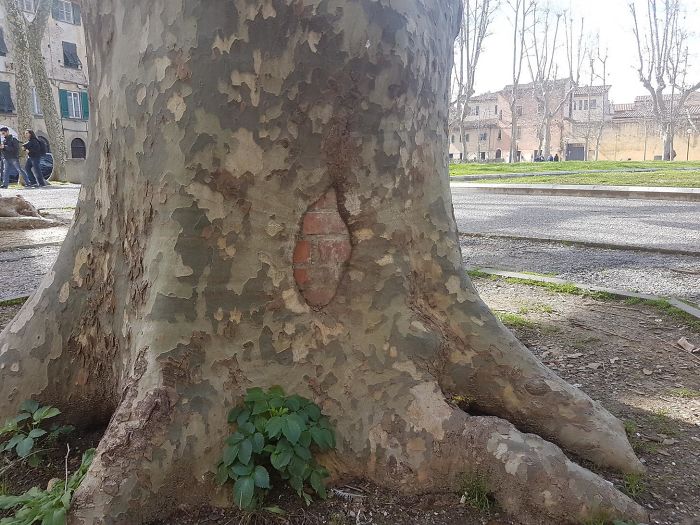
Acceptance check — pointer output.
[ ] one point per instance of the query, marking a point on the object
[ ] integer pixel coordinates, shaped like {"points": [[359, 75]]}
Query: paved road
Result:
{"points": [[652, 224]]}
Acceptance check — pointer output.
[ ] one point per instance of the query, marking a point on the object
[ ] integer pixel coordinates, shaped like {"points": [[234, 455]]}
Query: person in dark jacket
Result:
{"points": [[34, 150], [10, 157]]}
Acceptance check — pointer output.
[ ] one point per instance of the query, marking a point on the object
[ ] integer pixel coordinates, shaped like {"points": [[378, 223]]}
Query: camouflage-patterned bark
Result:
{"points": [[239, 147]]}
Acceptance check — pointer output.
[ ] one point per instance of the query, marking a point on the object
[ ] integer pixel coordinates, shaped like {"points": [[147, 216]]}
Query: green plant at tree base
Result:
{"points": [[279, 432], [22, 432], [475, 492], [48, 507]]}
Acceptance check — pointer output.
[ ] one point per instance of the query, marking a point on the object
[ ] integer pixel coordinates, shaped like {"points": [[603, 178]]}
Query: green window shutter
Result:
{"points": [[85, 102], [76, 14], [63, 102]]}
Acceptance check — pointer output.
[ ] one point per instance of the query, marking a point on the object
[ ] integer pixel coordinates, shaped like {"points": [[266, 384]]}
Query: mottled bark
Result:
{"points": [[17, 30], [223, 129], [54, 127]]}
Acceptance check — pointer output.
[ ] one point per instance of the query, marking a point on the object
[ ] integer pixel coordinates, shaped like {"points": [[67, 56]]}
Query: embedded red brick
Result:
{"points": [[302, 252], [333, 250], [320, 223], [322, 251]]}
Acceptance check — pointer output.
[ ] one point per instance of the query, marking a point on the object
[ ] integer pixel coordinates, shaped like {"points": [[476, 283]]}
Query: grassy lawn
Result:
{"points": [[668, 174]]}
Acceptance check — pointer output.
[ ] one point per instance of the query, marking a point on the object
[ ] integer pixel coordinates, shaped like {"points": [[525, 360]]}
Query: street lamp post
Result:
{"points": [[689, 131]]}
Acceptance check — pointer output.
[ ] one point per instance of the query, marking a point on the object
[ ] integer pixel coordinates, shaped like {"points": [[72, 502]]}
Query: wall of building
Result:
{"points": [[642, 141], [61, 77]]}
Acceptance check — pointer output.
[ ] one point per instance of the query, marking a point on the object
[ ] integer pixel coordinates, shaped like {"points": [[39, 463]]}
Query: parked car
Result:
{"points": [[46, 165]]}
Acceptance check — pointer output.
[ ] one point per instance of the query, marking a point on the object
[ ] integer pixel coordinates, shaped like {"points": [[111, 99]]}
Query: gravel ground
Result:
{"points": [[636, 271]]}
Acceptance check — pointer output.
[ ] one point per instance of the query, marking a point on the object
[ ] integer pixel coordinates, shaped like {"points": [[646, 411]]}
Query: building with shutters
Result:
{"points": [[63, 49]]}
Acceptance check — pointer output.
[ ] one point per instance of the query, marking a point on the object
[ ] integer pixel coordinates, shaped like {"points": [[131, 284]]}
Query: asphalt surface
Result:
{"points": [[651, 224]]}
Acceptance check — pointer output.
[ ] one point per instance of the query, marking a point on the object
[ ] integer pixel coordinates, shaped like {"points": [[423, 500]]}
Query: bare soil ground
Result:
{"points": [[623, 355]]}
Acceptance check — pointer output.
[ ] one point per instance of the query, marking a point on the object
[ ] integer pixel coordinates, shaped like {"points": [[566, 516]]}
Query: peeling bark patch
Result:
{"points": [[322, 252]]}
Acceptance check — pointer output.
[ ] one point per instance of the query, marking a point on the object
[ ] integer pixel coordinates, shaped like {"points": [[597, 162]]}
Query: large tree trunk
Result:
{"points": [[229, 138], [667, 137]]}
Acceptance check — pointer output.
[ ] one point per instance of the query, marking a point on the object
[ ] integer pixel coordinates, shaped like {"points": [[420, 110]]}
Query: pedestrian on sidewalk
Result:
{"points": [[35, 149], [10, 157]]}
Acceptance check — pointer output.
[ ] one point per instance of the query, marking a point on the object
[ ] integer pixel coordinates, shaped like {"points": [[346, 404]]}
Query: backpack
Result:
{"points": [[42, 147]]}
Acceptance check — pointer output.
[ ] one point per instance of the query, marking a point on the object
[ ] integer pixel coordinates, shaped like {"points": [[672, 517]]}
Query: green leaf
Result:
{"points": [[276, 391], [262, 478], [276, 402], [247, 428], [297, 484], [260, 407], [245, 451], [280, 458], [258, 442], [317, 483], [303, 452], [312, 411], [305, 439], [222, 474], [24, 447], [45, 413], [243, 492], [231, 453], [235, 438], [36, 432], [34, 461], [239, 469], [293, 403], [296, 467], [243, 417], [291, 428], [234, 413], [320, 437], [260, 422], [255, 394], [30, 406], [12, 443], [274, 426], [275, 510], [59, 517], [21, 417]]}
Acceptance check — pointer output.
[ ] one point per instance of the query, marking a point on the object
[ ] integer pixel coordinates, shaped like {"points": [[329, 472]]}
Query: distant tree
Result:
{"points": [[520, 11], [477, 16], [29, 64], [662, 48]]}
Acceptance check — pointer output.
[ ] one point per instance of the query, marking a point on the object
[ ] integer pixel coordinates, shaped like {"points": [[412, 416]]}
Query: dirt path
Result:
{"points": [[623, 355]]}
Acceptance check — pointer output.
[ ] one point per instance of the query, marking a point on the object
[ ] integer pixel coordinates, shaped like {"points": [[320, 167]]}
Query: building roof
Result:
{"points": [[592, 90], [484, 97]]}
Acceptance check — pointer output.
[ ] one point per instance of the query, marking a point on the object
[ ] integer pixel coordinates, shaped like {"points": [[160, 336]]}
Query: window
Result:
{"points": [[466, 137], [3, 46], [585, 104], [70, 56], [6, 104], [594, 103], [499, 134], [495, 109], [519, 111], [453, 139], [36, 102], [65, 11], [28, 5], [74, 104], [476, 110], [483, 136], [518, 132], [77, 149]]}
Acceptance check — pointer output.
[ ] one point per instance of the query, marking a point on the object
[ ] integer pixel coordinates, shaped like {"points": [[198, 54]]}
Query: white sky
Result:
{"points": [[608, 18]]}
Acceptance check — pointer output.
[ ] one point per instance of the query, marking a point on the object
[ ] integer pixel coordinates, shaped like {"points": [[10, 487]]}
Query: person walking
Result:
{"points": [[34, 150], [10, 157]]}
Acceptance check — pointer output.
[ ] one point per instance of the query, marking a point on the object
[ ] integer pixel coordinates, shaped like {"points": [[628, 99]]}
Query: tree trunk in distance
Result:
{"points": [[54, 126], [17, 29], [229, 138]]}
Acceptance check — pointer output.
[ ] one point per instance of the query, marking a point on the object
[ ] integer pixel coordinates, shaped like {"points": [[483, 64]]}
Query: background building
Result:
{"points": [[586, 126], [63, 49]]}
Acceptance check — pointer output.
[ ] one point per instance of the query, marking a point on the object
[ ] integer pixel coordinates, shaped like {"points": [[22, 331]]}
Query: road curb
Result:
{"points": [[516, 175], [573, 190], [687, 308], [586, 244]]}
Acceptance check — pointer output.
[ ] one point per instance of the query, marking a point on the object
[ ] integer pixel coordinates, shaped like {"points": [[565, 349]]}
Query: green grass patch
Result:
{"points": [[668, 309], [662, 423], [513, 320], [630, 427], [685, 393], [475, 492], [13, 302], [678, 179], [634, 485], [536, 307]]}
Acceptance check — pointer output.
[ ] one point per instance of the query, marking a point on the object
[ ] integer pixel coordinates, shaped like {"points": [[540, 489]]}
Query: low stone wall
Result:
{"points": [[75, 171]]}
